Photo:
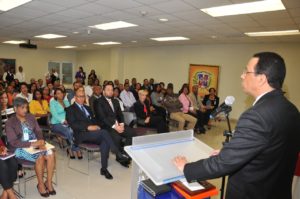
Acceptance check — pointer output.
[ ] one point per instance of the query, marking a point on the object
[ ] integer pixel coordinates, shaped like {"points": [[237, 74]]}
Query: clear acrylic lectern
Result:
{"points": [[152, 156]]}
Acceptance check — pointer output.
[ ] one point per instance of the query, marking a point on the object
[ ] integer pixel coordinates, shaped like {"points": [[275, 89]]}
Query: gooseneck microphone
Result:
{"points": [[225, 107]]}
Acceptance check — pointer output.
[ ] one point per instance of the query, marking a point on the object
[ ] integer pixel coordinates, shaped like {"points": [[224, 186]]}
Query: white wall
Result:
{"points": [[35, 62]]}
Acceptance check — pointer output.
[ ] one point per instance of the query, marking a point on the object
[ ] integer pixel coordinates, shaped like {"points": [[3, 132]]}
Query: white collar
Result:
{"points": [[260, 96]]}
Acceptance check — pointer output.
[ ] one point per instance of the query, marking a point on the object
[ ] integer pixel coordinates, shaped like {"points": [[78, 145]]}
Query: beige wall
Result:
{"points": [[168, 64], [35, 62], [99, 60]]}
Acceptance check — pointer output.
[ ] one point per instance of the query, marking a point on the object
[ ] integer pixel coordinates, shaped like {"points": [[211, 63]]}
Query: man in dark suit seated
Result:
{"points": [[260, 159], [86, 130], [109, 115]]}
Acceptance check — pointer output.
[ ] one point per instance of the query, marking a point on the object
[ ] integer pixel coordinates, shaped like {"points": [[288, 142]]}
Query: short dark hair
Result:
{"points": [[55, 91], [212, 89], [272, 65], [109, 83], [19, 102]]}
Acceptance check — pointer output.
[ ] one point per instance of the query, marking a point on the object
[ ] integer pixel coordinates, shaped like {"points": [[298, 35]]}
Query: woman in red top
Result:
{"points": [[8, 173]]}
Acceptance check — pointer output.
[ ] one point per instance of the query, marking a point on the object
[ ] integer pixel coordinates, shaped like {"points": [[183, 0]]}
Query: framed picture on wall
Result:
{"points": [[7, 64], [205, 76]]}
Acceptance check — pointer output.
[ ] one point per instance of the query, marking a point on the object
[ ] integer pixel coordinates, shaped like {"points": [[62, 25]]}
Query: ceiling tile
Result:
{"points": [[173, 7], [117, 4]]}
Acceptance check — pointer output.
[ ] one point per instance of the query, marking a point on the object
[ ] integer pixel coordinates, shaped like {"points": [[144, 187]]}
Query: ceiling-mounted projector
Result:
{"points": [[28, 45]]}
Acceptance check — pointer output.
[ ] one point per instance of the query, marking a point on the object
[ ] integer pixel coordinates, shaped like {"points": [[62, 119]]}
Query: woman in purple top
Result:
{"points": [[22, 132]]}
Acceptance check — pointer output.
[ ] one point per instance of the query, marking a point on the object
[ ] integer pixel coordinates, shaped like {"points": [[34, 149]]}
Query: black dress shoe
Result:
{"points": [[106, 173], [202, 130], [125, 164], [45, 195], [52, 193], [122, 158]]}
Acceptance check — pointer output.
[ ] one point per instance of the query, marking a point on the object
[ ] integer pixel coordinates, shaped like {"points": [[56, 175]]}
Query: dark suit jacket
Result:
{"points": [[261, 157], [105, 116], [78, 121], [139, 111]]}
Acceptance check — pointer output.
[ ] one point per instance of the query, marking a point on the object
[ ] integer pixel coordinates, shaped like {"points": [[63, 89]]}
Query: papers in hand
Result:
{"points": [[32, 150], [7, 156], [195, 186]]}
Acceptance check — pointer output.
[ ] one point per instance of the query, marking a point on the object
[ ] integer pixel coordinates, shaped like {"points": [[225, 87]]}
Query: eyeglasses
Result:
{"points": [[245, 72]]}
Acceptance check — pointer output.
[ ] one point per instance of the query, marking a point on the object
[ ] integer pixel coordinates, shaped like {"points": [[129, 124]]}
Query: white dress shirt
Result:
{"points": [[127, 98], [20, 76]]}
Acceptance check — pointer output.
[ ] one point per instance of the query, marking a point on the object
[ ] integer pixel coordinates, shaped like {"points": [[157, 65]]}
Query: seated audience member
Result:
{"points": [[197, 104], [135, 92], [110, 117], [126, 81], [71, 94], [174, 106], [96, 82], [46, 94], [146, 85], [33, 87], [211, 102], [8, 173], [39, 108], [151, 84], [10, 95], [105, 82], [32, 81], [157, 98], [86, 101], [97, 91], [51, 88], [7, 111], [40, 84], [86, 129], [59, 123], [116, 83], [117, 97], [127, 98], [121, 87], [133, 84], [89, 88], [146, 114], [188, 108], [24, 92], [22, 132]]}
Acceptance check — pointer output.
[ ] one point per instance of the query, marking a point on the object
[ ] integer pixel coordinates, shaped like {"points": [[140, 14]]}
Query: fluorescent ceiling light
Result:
{"points": [[113, 25], [6, 5], [107, 43], [163, 20], [245, 8], [65, 47], [170, 38], [14, 42], [50, 36], [273, 33]]}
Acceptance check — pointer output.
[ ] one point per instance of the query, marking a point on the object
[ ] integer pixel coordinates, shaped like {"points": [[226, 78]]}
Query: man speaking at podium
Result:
{"points": [[261, 157]]}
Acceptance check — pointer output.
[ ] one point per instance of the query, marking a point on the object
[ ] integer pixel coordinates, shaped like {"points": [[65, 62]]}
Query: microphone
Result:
{"points": [[224, 107]]}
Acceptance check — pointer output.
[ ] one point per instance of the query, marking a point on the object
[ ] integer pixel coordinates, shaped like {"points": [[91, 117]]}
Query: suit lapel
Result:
{"points": [[107, 103]]}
